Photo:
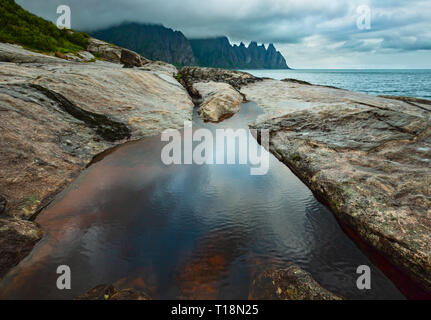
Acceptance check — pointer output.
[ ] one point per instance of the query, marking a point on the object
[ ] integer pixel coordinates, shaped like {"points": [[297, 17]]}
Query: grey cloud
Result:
{"points": [[400, 25]]}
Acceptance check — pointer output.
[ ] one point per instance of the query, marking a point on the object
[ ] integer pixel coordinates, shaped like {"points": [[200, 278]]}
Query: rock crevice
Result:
{"points": [[108, 129]]}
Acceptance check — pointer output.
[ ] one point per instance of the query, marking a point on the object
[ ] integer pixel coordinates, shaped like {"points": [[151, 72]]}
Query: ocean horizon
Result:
{"points": [[390, 82]]}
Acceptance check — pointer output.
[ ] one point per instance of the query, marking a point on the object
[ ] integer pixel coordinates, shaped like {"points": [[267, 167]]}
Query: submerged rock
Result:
{"points": [[17, 238], [369, 158], [109, 292], [291, 283], [219, 100]]}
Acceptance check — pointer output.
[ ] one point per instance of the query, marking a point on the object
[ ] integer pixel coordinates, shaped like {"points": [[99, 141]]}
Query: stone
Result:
{"points": [[161, 67], [86, 56], [61, 55], [109, 292], [82, 56], [132, 59], [219, 100], [17, 238], [291, 283], [368, 158], [236, 79], [103, 50]]}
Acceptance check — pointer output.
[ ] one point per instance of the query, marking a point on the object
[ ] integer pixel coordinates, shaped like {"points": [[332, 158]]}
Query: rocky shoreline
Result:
{"points": [[367, 157], [57, 114]]}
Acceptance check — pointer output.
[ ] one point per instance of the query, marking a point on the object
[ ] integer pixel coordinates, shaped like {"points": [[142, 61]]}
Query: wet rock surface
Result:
{"points": [[219, 101], [17, 238], [367, 157], [291, 283], [109, 292]]}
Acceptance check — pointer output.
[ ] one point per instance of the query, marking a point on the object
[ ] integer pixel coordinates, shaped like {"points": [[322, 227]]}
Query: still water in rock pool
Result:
{"points": [[187, 231]]}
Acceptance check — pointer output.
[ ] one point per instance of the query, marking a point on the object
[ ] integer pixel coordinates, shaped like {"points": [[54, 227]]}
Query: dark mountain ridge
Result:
{"points": [[218, 52], [154, 42], [157, 42]]}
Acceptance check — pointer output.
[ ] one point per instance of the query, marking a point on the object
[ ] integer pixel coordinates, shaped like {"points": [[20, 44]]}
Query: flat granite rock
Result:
{"points": [[368, 157], [290, 283], [55, 117], [17, 54]]}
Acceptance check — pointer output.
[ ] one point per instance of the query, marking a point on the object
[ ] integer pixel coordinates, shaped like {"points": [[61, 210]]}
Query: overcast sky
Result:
{"points": [[309, 33]]}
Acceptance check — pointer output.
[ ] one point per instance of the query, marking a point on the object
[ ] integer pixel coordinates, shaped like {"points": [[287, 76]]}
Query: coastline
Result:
{"points": [[161, 82]]}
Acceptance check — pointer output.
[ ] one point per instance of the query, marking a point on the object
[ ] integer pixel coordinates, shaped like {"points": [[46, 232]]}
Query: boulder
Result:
{"points": [[104, 50], [132, 59], [236, 79], [219, 100], [109, 292], [368, 158], [161, 67], [17, 238], [291, 283], [61, 55]]}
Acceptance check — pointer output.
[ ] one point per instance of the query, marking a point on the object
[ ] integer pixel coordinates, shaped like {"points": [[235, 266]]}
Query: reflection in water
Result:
{"points": [[186, 231]]}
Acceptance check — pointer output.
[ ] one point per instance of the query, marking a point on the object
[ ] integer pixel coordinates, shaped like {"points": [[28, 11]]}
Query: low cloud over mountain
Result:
{"points": [[310, 33]]}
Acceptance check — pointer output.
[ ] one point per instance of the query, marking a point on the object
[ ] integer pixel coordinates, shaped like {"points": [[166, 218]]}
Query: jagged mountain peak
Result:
{"points": [[157, 42]]}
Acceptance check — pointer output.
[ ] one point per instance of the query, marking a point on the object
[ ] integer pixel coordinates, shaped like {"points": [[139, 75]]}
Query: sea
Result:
{"points": [[397, 82]]}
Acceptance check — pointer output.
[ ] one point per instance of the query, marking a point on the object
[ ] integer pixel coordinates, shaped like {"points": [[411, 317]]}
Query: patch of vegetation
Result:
{"points": [[19, 26], [179, 76]]}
